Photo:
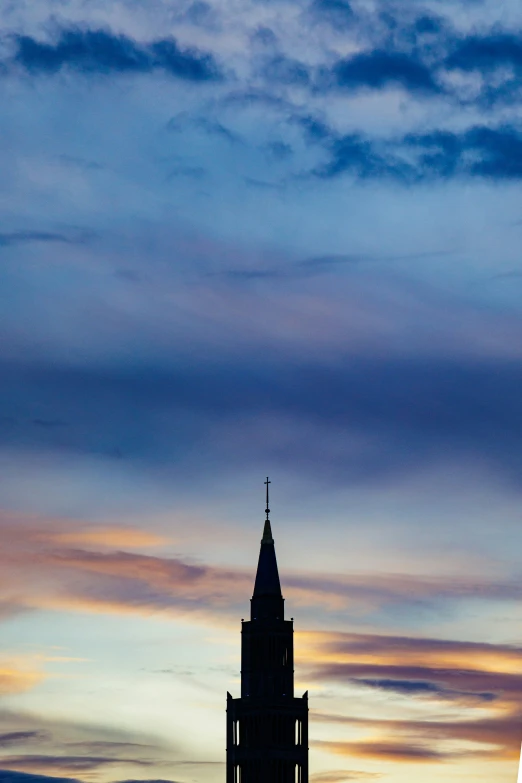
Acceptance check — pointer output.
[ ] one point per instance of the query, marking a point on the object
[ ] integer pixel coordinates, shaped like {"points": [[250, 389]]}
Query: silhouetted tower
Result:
{"points": [[267, 728]]}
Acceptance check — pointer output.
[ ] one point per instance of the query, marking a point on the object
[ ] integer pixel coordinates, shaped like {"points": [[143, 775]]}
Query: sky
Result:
{"points": [[248, 238]]}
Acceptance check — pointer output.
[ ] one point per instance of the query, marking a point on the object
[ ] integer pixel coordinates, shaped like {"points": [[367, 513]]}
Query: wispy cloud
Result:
{"points": [[21, 737], [102, 574], [28, 237], [496, 737], [480, 677], [341, 775]]}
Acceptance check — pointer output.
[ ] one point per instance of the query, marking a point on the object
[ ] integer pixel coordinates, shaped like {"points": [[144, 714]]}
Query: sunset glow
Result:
{"points": [[246, 238]]}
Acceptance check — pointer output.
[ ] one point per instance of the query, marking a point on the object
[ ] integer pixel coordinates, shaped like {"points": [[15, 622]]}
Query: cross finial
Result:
{"points": [[267, 509]]}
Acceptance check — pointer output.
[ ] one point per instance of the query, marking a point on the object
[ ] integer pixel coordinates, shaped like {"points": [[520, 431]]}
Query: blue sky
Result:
{"points": [[244, 238]]}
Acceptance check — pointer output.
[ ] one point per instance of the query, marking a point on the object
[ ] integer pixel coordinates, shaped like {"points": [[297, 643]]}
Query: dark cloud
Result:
{"points": [[315, 130], [103, 52], [284, 70], [429, 25], [147, 780], [21, 737], [468, 681], [26, 237], [491, 153], [11, 776], [338, 13], [379, 68], [479, 152], [264, 36], [358, 155], [201, 14], [418, 53], [74, 764], [420, 688], [486, 53], [401, 686], [416, 411]]}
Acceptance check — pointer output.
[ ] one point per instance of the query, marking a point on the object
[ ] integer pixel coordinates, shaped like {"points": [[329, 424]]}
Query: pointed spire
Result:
{"points": [[267, 577], [267, 533]]}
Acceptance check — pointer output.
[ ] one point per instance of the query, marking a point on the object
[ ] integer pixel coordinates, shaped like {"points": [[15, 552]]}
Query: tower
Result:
{"points": [[267, 728]]}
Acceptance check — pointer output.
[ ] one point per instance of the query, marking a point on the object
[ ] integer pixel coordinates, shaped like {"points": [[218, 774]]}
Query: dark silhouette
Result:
{"points": [[267, 728]]}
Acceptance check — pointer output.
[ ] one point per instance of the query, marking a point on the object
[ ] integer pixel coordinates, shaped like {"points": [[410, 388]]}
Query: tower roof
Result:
{"points": [[267, 576]]}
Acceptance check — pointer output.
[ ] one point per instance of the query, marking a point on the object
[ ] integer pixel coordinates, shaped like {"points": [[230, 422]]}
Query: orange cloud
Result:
{"points": [[14, 679], [410, 651], [342, 776], [46, 564], [429, 740], [386, 751], [109, 538], [53, 563], [485, 678]]}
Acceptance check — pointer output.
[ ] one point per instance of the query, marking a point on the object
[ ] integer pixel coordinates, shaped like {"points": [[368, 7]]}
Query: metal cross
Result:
{"points": [[267, 510]]}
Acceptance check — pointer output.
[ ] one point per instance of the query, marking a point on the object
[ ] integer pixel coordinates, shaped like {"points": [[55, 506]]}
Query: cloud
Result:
{"points": [[100, 574], [80, 749], [284, 70], [429, 651], [147, 780], [338, 13], [418, 665], [12, 776], [341, 775], [67, 764], [15, 679], [420, 688], [28, 237], [21, 737], [482, 678], [103, 52], [453, 394], [388, 751], [479, 152], [380, 68], [108, 537], [494, 737], [487, 52], [474, 682]]}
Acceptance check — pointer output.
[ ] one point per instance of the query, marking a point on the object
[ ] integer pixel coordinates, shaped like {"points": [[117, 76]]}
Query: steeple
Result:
{"points": [[267, 600], [267, 727]]}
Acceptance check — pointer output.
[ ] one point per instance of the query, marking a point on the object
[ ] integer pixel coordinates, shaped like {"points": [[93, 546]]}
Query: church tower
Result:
{"points": [[267, 728]]}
